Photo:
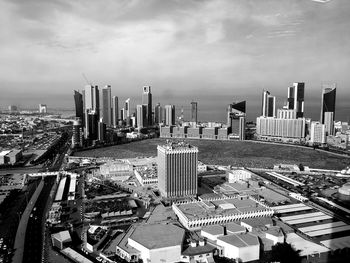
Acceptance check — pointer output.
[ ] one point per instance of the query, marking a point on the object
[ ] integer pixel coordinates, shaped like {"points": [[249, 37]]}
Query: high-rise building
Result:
{"points": [[115, 111], [268, 105], [91, 125], [177, 170], [127, 108], [77, 140], [236, 125], [296, 98], [329, 122], [194, 111], [158, 114], [79, 106], [169, 115], [91, 100], [147, 100], [318, 133], [141, 118], [12, 108], [101, 131], [280, 127], [328, 100], [42, 108], [106, 101]]}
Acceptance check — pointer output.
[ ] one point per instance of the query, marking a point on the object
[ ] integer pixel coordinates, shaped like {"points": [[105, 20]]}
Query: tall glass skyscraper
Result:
{"points": [[147, 100], [296, 98], [79, 108], [328, 100], [106, 101]]}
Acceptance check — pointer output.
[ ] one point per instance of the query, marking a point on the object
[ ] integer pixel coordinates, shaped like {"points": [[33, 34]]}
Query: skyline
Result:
{"points": [[185, 50]]}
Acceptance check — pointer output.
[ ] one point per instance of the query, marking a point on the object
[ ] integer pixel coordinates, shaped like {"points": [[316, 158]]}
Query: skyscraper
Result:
{"points": [[177, 170], [106, 100], [169, 115], [79, 108], [328, 100], [77, 130], [127, 108], [91, 110], [194, 111], [147, 100], [296, 98], [329, 122], [115, 111], [268, 105], [141, 118], [158, 111], [236, 125]]}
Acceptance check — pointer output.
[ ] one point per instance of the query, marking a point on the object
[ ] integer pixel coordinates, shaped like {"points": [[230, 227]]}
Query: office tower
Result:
{"points": [[268, 105], [177, 170], [194, 111], [236, 126], [122, 114], [158, 111], [106, 101], [79, 106], [92, 125], [77, 136], [296, 98], [241, 133], [141, 118], [127, 108], [147, 100], [101, 131], [42, 108], [318, 133], [328, 100], [328, 121], [169, 115], [115, 111], [91, 100]]}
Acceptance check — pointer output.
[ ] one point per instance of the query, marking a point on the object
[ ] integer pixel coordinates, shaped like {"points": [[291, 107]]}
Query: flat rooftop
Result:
{"points": [[158, 236], [219, 207], [240, 240]]}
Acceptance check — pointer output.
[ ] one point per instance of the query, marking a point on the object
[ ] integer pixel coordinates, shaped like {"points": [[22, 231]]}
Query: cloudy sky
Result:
{"points": [[212, 51]]}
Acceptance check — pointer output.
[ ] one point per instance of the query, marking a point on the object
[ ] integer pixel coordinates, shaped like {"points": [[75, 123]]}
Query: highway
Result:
{"points": [[34, 233]]}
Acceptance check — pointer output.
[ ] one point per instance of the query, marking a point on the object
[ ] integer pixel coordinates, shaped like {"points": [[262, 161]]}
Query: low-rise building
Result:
{"points": [[61, 239], [241, 247]]}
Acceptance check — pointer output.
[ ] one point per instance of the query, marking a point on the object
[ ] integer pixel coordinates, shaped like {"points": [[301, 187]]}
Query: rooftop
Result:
{"points": [[240, 240], [198, 250], [221, 207], [214, 230], [171, 145], [158, 236], [62, 236], [233, 228]]}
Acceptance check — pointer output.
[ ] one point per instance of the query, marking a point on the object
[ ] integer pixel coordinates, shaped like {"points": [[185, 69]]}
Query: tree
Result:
{"points": [[285, 253]]}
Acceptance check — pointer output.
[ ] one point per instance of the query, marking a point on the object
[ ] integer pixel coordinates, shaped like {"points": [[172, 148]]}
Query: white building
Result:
{"points": [[239, 175], [42, 108], [158, 243], [241, 247], [318, 133]]}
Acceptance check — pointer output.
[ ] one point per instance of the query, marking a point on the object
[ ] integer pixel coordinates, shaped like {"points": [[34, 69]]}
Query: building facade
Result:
{"points": [[169, 115], [177, 170], [296, 98], [106, 101], [147, 100], [328, 100]]}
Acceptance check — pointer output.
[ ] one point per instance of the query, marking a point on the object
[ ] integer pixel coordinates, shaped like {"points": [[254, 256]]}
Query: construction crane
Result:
{"points": [[85, 78]]}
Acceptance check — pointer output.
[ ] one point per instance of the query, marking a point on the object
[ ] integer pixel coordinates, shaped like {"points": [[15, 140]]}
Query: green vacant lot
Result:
{"points": [[237, 153]]}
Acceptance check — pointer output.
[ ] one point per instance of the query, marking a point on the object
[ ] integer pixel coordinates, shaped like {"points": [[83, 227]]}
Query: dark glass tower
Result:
{"points": [[328, 100], [79, 109]]}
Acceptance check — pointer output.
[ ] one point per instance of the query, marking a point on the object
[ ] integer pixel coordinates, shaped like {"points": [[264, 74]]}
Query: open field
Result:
{"points": [[237, 153]]}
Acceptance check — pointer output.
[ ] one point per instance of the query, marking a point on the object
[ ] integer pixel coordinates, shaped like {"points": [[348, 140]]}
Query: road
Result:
{"points": [[19, 245], [34, 233]]}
